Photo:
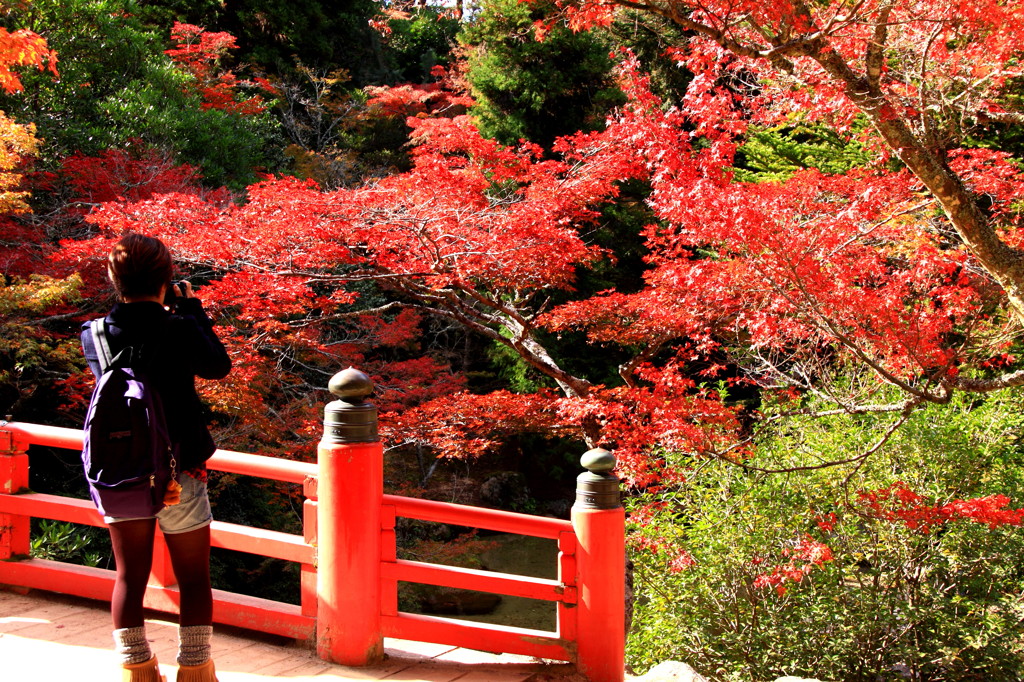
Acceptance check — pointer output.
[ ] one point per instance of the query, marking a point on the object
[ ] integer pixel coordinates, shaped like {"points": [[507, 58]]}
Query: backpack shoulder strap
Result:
{"points": [[99, 339]]}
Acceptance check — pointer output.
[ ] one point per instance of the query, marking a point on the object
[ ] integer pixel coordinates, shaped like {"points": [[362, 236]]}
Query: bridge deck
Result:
{"points": [[47, 637]]}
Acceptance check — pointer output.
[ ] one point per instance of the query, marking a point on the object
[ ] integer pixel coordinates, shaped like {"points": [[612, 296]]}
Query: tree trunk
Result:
{"points": [[1005, 264]]}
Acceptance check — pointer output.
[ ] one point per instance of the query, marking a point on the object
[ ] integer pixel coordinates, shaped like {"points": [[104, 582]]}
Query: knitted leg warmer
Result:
{"points": [[131, 645], [194, 644]]}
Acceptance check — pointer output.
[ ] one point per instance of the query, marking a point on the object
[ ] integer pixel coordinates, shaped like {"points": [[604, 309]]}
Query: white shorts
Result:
{"points": [[192, 513]]}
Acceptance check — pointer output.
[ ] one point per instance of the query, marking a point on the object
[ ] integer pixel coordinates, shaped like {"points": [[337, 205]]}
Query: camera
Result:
{"points": [[171, 297]]}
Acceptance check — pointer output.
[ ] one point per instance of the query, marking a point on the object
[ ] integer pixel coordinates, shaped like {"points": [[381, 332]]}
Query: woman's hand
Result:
{"points": [[183, 289]]}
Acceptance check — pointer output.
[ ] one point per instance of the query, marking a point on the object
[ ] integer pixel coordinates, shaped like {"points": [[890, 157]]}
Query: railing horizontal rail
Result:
{"points": [[476, 517], [41, 505], [223, 460], [269, 543], [260, 465], [472, 579], [479, 636], [40, 434], [229, 608]]}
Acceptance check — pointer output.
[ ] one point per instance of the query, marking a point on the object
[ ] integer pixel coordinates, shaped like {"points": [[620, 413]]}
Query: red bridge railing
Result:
{"points": [[347, 551]]}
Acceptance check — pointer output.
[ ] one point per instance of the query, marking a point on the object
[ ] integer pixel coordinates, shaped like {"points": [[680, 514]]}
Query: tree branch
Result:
{"points": [[908, 408], [1009, 380]]}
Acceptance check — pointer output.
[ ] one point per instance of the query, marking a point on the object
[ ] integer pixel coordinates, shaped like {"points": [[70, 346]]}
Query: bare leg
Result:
{"points": [[190, 558], [132, 542]]}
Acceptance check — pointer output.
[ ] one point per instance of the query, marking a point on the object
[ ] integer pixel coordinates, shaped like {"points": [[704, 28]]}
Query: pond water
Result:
{"points": [[521, 555]]}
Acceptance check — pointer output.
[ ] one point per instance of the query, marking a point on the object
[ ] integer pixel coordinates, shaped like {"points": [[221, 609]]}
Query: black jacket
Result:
{"points": [[176, 348]]}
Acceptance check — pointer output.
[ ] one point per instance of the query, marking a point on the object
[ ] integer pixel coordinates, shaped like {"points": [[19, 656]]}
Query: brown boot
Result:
{"points": [[149, 671], [197, 673]]}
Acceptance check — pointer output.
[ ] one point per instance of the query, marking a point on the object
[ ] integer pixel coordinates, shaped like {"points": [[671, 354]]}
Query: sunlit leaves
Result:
{"points": [[17, 144], [199, 53], [857, 263], [22, 48]]}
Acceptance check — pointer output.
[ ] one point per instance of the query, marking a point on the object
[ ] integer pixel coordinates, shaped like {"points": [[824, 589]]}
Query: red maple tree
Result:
{"points": [[200, 53], [23, 48], [476, 233], [905, 266], [892, 268]]}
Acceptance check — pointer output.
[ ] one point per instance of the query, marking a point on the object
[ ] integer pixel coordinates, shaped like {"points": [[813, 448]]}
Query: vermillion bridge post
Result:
{"points": [[351, 465], [600, 524], [14, 529]]}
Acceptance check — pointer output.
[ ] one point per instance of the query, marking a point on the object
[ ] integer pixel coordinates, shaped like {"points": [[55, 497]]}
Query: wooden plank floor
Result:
{"points": [[47, 637]]}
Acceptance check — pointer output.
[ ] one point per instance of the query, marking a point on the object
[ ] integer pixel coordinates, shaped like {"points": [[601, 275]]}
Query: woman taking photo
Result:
{"points": [[174, 345]]}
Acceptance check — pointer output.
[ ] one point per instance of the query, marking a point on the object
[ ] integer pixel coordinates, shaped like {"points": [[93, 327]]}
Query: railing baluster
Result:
{"points": [[307, 576], [162, 573], [568, 575], [388, 556]]}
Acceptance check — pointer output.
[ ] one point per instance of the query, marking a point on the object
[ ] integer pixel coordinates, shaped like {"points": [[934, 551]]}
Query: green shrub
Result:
{"points": [[59, 541], [116, 85], [420, 42], [731, 577], [530, 89]]}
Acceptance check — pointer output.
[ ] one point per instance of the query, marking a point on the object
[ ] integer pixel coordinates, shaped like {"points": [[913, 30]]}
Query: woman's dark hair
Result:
{"points": [[139, 265]]}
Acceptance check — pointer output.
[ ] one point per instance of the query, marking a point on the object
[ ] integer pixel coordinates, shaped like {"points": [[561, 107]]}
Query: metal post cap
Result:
{"points": [[351, 385], [598, 487], [598, 461], [350, 419]]}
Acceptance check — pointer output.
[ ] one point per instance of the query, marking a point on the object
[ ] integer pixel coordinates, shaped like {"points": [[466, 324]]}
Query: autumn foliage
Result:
{"points": [[883, 284], [22, 48], [200, 53], [17, 141], [790, 281]]}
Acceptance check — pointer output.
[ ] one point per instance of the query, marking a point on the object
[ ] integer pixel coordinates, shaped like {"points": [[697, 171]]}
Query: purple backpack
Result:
{"points": [[127, 454]]}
